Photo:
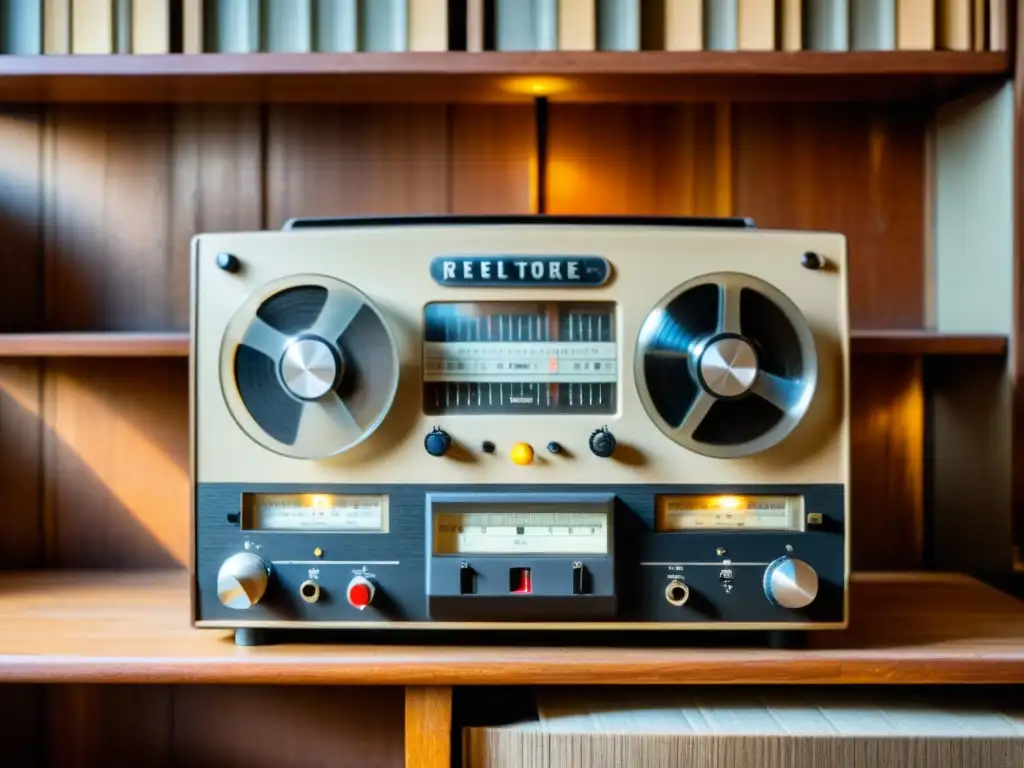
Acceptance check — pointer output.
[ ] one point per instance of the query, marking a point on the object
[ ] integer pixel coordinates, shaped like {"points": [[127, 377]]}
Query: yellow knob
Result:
{"points": [[522, 453]]}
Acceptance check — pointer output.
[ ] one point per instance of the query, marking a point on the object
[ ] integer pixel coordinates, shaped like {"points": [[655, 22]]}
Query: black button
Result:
{"points": [[488, 446]]}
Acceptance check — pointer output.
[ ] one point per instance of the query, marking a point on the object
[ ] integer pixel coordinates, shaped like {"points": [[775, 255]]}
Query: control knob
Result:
{"points": [[791, 583], [602, 443], [437, 442], [242, 580], [360, 592]]}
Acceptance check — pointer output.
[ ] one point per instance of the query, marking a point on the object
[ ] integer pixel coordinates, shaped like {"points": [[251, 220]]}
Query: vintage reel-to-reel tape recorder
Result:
{"points": [[520, 423]]}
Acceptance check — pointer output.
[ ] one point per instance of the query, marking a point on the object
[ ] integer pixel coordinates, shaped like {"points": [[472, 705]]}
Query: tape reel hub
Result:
{"points": [[727, 366], [310, 368]]}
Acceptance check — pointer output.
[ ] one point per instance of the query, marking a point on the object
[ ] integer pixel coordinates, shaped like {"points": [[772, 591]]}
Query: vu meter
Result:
{"points": [[525, 423], [729, 512]]}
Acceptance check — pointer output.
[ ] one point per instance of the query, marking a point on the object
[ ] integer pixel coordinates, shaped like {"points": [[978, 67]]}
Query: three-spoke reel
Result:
{"points": [[726, 365], [309, 367]]}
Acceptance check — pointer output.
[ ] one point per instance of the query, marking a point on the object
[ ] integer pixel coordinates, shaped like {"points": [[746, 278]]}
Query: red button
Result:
{"points": [[360, 594]]}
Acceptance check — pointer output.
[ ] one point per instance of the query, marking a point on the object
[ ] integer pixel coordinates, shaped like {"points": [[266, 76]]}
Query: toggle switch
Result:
{"points": [[579, 575], [467, 580], [519, 582]]}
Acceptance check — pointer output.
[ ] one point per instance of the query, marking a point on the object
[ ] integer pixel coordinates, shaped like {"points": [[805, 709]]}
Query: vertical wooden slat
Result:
{"points": [[887, 444], [21, 219], [304, 727], [492, 159], [22, 543], [217, 185], [92, 725], [723, 159], [21, 309], [354, 160], [428, 727], [23, 725], [117, 463], [108, 255], [628, 159]]}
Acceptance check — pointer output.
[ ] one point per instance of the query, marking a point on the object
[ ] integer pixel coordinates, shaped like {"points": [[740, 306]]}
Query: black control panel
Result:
{"points": [[404, 555]]}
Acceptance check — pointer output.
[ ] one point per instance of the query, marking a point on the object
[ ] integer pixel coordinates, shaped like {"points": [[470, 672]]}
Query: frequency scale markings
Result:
{"points": [[318, 512], [538, 533], [541, 356], [725, 512]]}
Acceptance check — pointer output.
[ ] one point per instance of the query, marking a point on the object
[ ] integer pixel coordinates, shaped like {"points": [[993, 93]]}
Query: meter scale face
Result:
{"points": [[528, 533], [729, 512], [300, 512]]}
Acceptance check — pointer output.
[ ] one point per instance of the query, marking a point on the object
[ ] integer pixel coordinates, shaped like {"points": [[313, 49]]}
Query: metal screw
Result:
{"points": [[720, 551], [228, 262], [811, 260]]}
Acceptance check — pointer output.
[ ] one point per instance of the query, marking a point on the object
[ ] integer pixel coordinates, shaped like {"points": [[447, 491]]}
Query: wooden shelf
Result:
{"points": [[459, 76], [134, 628], [926, 343], [99, 344], [176, 344]]}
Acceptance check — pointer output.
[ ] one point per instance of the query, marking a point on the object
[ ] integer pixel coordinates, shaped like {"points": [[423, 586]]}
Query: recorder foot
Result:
{"points": [[248, 637], [785, 639]]}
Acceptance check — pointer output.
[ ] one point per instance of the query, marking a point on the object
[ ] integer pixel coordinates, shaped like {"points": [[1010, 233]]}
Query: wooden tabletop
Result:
{"points": [[134, 628]]}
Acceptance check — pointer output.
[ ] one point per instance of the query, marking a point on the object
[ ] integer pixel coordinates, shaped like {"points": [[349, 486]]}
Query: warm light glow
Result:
{"points": [[322, 501], [730, 502], [567, 182], [537, 86]]}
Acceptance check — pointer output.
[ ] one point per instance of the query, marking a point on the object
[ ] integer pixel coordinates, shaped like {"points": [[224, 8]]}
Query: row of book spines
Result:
{"points": [[245, 26], [30, 27], [733, 25]]}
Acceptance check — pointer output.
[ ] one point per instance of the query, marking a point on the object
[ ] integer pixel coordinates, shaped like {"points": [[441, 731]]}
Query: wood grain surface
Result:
{"points": [[160, 726], [133, 628], [461, 76], [96, 344], [428, 727]]}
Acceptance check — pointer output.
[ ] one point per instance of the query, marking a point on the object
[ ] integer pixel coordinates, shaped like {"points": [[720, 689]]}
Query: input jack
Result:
{"points": [[677, 593], [309, 591]]}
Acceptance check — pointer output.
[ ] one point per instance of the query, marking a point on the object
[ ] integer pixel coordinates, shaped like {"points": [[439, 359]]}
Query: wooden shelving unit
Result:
{"points": [[498, 77], [109, 165]]}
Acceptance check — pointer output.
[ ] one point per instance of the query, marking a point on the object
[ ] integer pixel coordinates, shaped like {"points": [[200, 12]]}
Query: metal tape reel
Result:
{"points": [[309, 367], [726, 365]]}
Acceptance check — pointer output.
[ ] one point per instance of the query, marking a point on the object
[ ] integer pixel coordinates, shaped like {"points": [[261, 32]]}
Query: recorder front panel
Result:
{"points": [[515, 561], [524, 423]]}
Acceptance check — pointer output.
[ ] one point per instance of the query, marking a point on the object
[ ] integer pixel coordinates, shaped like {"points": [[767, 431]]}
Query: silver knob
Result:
{"points": [[791, 583], [728, 367], [242, 580], [309, 368]]}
